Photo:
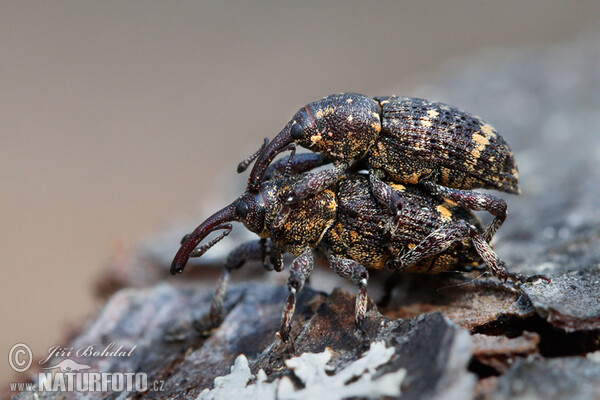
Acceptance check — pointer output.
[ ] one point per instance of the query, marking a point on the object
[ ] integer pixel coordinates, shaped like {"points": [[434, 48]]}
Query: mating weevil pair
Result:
{"points": [[413, 212]]}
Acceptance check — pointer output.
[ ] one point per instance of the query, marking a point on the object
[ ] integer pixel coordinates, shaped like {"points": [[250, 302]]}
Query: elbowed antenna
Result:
{"points": [[246, 163], [278, 144], [214, 222]]}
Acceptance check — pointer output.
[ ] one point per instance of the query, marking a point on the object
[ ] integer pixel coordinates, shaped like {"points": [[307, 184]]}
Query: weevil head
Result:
{"points": [[342, 127], [248, 209]]}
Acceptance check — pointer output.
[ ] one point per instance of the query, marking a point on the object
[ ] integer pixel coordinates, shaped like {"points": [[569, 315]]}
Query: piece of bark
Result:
{"points": [[500, 352]]}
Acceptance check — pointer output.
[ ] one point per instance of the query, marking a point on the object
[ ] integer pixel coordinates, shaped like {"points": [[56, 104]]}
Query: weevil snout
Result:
{"points": [[298, 130], [189, 242], [248, 209], [267, 155]]}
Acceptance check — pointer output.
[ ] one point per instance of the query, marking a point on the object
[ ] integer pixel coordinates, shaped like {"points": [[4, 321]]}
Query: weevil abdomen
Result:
{"points": [[426, 140]]}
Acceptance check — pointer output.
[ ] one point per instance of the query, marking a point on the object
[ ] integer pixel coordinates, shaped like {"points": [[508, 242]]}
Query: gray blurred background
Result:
{"points": [[119, 118]]}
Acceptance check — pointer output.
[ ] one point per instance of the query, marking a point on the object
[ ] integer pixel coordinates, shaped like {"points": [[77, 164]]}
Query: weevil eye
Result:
{"points": [[296, 131], [241, 209]]}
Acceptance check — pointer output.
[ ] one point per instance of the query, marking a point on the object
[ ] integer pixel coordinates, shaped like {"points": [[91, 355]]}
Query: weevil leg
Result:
{"points": [[314, 183], [359, 275], [300, 269], [271, 255], [385, 196], [442, 238], [255, 250], [435, 243], [496, 265], [300, 163], [474, 201]]}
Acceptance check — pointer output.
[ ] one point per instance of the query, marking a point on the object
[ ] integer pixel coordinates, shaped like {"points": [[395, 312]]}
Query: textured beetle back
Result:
{"points": [[361, 230], [296, 226], [424, 140]]}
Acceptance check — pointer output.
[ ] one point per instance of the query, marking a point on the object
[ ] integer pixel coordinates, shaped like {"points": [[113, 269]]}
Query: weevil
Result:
{"points": [[398, 139], [348, 226]]}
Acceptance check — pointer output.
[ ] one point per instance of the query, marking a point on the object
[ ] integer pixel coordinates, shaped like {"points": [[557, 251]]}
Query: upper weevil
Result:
{"points": [[399, 139]]}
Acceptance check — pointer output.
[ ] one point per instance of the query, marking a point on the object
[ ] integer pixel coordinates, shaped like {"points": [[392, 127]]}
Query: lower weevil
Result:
{"points": [[345, 223]]}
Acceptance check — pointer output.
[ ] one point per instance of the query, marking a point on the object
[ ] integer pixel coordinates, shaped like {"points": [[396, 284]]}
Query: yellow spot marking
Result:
{"points": [[321, 113], [488, 130], [348, 101], [481, 140], [413, 179], [376, 126], [384, 102], [426, 123], [398, 187], [315, 138], [449, 202], [349, 119], [444, 212], [433, 113], [480, 143]]}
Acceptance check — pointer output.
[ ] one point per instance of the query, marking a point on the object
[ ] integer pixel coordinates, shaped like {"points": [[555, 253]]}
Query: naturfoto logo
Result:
{"points": [[68, 375]]}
